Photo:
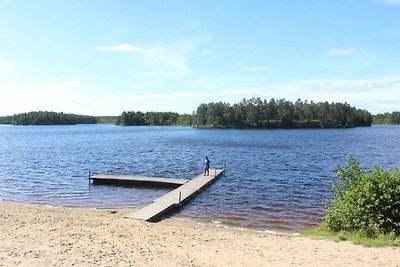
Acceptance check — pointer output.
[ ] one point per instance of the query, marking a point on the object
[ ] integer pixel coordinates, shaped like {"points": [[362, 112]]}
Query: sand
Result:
{"points": [[43, 236]]}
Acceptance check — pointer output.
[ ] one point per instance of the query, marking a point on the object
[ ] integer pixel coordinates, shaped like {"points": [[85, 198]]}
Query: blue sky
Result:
{"points": [[104, 57]]}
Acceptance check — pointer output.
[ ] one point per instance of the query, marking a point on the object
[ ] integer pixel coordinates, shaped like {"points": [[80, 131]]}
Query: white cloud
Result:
{"points": [[31, 90], [158, 61], [350, 86], [167, 65], [131, 48], [121, 48], [6, 65], [178, 101], [341, 52], [64, 96], [206, 52], [255, 68], [375, 95], [250, 68], [168, 96], [369, 94], [389, 2], [245, 93], [156, 49]]}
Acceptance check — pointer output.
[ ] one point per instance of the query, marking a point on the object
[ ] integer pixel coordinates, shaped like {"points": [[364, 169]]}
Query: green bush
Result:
{"points": [[365, 201]]}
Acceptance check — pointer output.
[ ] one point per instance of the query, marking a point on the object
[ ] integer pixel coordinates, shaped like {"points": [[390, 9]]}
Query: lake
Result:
{"points": [[275, 179]]}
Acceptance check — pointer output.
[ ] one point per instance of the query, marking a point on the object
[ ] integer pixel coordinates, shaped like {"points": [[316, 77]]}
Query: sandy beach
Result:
{"points": [[33, 235]]}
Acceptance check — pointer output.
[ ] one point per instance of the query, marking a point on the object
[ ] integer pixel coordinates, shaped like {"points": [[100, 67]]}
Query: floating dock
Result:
{"points": [[137, 180], [176, 197]]}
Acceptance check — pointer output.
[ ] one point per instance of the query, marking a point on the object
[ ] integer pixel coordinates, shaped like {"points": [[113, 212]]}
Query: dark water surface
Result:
{"points": [[275, 179]]}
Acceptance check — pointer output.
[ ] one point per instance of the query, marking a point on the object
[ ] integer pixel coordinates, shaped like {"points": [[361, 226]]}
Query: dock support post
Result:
{"points": [[180, 197], [215, 172], [89, 180]]}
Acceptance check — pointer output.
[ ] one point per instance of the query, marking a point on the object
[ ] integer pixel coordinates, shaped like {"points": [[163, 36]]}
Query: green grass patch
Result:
{"points": [[356, 237]]}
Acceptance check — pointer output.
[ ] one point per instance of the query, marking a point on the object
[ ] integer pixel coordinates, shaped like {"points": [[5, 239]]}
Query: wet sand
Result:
{"points": [[42, 236]]}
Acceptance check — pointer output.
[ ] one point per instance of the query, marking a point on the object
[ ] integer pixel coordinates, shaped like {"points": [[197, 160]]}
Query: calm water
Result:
{"points": [[275, 179]]}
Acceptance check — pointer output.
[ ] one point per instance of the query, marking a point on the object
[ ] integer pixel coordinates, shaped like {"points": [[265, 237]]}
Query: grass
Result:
{"points": [[358, 238]]}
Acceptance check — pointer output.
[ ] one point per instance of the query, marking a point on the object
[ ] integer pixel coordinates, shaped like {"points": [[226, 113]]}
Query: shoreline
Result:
{"points": [[194, 220], [34, 235], [219, 224]]}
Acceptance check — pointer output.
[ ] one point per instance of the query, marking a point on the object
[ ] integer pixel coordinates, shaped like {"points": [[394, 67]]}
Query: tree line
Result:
{"points": [[107, 119], [387, 118], [257, 113], [249, 113], [132, 118], [47, 118]]}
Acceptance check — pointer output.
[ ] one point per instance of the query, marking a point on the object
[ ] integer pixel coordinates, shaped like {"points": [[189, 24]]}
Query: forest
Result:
{"points": [[132, 118], [47, 118], [107, 119], [247, 114], [386, 118], [256, 113]]}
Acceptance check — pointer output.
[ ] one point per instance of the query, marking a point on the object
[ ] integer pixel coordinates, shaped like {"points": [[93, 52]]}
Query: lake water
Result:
{"points": [[275, 179]]}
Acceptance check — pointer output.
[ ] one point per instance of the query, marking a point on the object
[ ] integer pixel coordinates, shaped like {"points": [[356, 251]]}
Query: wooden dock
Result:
{"points": [[137, 180], [176, 197]]}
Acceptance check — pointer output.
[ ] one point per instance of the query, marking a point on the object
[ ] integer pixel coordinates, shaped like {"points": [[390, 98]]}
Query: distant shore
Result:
{"points": [[33, 235]]}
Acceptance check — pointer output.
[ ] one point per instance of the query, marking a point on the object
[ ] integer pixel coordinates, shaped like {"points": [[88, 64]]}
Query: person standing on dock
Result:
{"points": [[206, 166]]}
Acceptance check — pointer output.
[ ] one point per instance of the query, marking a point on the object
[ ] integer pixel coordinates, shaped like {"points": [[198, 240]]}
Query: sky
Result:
{"points": [[100, 57]]}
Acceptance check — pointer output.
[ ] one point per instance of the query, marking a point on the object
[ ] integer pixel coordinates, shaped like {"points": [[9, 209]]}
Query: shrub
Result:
{"points": [[366, 201]]}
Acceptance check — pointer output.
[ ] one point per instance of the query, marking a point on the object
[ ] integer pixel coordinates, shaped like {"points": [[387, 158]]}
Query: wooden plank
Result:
{"points": [[175, 198], [137, 180]]}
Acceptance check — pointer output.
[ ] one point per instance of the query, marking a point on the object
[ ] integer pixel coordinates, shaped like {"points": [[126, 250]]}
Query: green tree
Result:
{"points": [[386, 118], [201, 115], [367, 201], [50, 118]]}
